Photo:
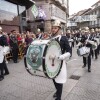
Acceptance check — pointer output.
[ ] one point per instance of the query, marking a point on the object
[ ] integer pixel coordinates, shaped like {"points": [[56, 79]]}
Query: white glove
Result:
{"points": [[79, 44], [70, 40], [64, 56]]}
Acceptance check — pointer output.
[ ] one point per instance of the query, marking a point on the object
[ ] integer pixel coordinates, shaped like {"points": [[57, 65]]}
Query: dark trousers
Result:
{"points": [[58, 90], [3, 67], [87, 61], [94, 52], [15, 54], [73, 44], [77, 42], [98, 49], [71, 51]]}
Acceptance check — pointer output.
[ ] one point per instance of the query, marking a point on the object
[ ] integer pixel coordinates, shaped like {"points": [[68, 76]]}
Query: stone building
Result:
{"points": [[13, 14], [21, 14], [52, 10], [93, 11]]}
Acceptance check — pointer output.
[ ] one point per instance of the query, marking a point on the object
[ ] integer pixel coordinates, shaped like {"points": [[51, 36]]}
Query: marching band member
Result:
{"points": [[92, 37], [62, 77], [70, 39], [3, 66], [98, 40], [78, 36], [39, 34], [73, 38], [84, 42]]}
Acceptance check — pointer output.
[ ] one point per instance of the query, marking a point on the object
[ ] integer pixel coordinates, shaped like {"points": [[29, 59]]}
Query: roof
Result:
{"points": [[95, 3], [78, 13]]}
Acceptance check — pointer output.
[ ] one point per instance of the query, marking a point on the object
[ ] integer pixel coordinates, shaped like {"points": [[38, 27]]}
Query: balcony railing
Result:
{"points": [[57, 12], [94, 26]]}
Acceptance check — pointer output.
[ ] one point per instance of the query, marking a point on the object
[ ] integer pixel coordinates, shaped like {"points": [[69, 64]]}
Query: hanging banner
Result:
{"points": [[35, 11]]}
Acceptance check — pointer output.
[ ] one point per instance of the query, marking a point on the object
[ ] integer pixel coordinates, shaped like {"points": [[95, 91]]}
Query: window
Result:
{"points": [[8, 13]]}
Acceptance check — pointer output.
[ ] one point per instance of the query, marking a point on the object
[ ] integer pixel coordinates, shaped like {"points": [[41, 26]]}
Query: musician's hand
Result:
{"points": [[60, 58], [64, 56]]}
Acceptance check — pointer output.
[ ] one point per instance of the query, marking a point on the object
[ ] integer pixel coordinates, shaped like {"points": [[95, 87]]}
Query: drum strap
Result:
{"points": [[58, 38]]}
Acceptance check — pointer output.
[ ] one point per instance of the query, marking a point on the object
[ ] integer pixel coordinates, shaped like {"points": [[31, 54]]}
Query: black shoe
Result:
{"points": [[83, 66], [55, 95], [89, 70], [16, 62], [96, 58], [6, 74], [57, 99], [1, 78]]}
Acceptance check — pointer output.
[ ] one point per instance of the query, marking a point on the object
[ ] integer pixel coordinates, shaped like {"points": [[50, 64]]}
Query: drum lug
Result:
{"points": [[43, 57]]}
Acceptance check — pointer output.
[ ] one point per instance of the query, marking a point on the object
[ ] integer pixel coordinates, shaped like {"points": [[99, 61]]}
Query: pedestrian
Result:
{"points": [[14, 46]]}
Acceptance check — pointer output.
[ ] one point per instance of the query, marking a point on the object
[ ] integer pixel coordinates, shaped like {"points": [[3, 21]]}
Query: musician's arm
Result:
{"points": [[67, 48], [5, 41], [79, 44]]}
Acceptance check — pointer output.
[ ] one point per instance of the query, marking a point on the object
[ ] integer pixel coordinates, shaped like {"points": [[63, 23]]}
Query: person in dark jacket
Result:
{"points": [[85, 42], [3, 66], [14, 45]]}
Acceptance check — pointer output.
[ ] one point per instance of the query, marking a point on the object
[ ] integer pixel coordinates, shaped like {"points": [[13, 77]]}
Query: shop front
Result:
{"points": [[13, 15]]}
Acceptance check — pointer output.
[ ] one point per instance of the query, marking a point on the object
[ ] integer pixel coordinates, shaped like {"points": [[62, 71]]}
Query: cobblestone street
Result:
{"points": [[20, 85]]}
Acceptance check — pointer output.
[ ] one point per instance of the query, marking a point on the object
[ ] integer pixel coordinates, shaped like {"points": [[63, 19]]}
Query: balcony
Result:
{"points": [[94, 26], [58, 13]]}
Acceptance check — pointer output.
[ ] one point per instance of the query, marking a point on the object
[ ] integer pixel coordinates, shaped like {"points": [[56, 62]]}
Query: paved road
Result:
{"points": [[20, 85]]}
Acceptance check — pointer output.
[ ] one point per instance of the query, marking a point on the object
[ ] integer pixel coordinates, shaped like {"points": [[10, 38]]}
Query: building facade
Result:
{"points": [[49, 10], [94, 11], [23, 15]]}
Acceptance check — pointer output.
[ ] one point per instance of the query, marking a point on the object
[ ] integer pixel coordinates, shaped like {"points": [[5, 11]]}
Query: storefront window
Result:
{"points": [[11, 16], [21, 9], [8, 13]]}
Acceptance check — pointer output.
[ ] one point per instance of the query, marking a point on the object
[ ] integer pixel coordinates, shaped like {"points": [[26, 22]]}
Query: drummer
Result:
{"points": [[84, 42], [66, 50]]}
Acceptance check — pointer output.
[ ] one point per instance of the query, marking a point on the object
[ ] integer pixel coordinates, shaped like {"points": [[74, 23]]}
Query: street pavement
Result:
{"points": [[20, 85]]}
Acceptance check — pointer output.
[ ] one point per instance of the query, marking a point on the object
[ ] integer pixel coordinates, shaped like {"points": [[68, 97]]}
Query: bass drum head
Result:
{"points": [[52, 67], [28, 67], [33, 59]]}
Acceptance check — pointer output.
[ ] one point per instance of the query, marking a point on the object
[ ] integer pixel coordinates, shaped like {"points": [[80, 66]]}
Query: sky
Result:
{"points": [[77, 5]]}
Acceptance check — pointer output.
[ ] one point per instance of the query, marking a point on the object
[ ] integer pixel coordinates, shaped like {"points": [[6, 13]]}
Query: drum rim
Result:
{"points": [[26, 67], [43, 61]]}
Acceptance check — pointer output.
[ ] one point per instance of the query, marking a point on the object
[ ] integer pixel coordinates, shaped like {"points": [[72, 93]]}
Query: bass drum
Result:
{"points": [[42, 57]]}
